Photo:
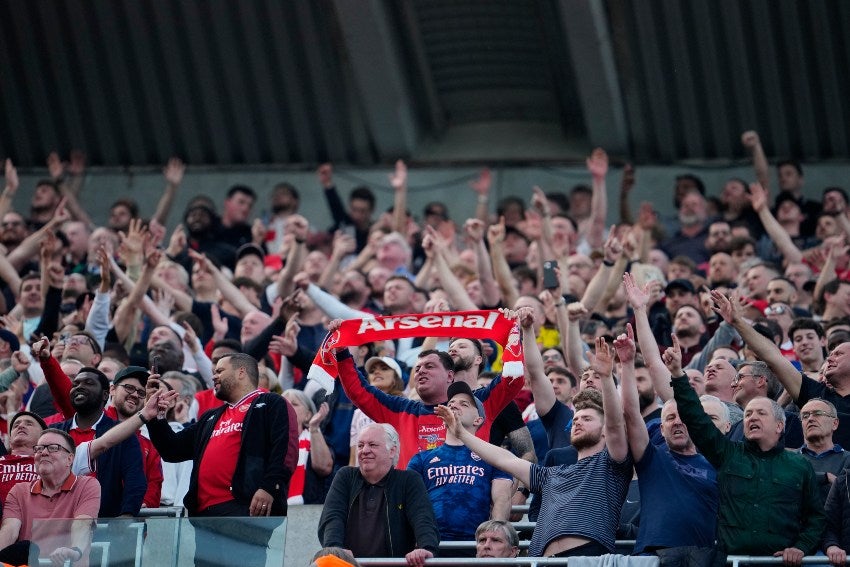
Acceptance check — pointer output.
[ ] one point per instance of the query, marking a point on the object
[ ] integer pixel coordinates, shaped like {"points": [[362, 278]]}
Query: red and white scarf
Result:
{"points": [[461, 324]]}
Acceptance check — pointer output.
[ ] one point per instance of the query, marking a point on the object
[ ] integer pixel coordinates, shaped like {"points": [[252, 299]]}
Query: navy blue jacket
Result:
{"points": [[120, 472]]}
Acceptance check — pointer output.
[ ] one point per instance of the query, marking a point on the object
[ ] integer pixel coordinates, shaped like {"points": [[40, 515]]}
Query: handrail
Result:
{"points": [[733, 560]]}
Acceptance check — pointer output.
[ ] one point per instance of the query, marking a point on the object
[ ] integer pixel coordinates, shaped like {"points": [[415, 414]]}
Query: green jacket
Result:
{"points": [[769, 500]]}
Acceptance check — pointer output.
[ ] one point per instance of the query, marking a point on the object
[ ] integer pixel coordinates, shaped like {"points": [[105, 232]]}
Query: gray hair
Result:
{"points": [[828, 404], [759, 368], [778, 412], [303, 398], [187, 383], [506, 528], [724, 409], [391, 436]]}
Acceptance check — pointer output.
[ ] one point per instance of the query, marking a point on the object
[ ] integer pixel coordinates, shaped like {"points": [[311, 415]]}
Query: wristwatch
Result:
{"points": [[78, 550]]}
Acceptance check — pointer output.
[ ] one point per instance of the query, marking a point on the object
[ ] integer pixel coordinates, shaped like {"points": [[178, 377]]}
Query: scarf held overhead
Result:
{"points": [[466, 324]]}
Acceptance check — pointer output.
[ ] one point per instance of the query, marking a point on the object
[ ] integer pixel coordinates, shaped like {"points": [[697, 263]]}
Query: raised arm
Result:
{"points": [[321, 458], [594, 227], [602, 362], [636, 431], [575, 350], [398, 181], [627, 183], [457, 294], [173, 173], [127, 312], [599, 282], [10, 189], [498, 457], [639, 301], [501, 270], [758, 198], [343, 245], [751, 141], [228, 291], [541, 387], [474, 230], [764, 349], [482, 187], [156, 402], [28, 249], [295, 256]]}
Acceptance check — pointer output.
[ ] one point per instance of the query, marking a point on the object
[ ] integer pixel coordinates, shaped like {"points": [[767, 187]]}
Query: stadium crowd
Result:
{"points": [[686, 377]]}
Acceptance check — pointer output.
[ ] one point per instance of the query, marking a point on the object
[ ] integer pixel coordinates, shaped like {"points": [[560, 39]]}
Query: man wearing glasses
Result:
{"points": [[55, 494], [754, 380], [128, 397], [820, 420]]}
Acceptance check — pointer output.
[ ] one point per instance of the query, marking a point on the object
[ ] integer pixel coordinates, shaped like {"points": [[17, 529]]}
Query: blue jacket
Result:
{"points": [[120, 472]]}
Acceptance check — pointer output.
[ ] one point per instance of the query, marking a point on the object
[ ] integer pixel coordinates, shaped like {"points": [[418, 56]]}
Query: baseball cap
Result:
{"points": [[138, 372], [680, 283], [250, 248], [36, 417], [460, 387], [386, 360], [9, 337]]}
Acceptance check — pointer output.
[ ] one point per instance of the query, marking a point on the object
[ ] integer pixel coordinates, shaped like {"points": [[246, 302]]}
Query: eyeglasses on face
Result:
{"points": [[815, 413], [551, 357], [79, 341], [739, 377], [133, 390], [51, 448]]}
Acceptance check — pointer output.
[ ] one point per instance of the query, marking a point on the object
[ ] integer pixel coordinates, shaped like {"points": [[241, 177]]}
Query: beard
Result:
{"points": [[685, 332], [689, 220], [462, 364], [585, 440], [351, 297], [646, 400]]}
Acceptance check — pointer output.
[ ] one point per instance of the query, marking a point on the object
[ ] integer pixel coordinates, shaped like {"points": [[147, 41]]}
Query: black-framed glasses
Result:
{"points": [[738, 377], [80, 340], [815, 413], [51, 448], [133, 390]]}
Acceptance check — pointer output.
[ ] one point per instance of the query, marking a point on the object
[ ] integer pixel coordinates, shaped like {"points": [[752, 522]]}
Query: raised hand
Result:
{"points": [[474, 230], [728, 309], [750, 139], [602, 360], [758, 197], [190, 338], [625, 345], [78, 163], [398, 179], [258, 231], [47, 247], [219, 323], [483, 183], [178, 241], [496, 232], [638, 298], [436, 305], [132, 244], [577, 311], [672, 357], [539, 201], [20, 362], [157, 232], [55, 166], [164, 302], [597, 164], [525, 317], [319, 416], [647, 217], [105, 269], [12, 181], [343, 244], [453, 424], [613, 248], [41, 349], [298, 226], [291, 305], [325, 172], [173, 171]]}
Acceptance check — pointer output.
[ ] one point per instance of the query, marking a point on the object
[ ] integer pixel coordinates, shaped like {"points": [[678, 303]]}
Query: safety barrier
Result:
{"points": [[733, 560]]}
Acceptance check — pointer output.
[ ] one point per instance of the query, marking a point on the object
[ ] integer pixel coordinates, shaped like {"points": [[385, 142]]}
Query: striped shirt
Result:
{"points": [[582, 500]]}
